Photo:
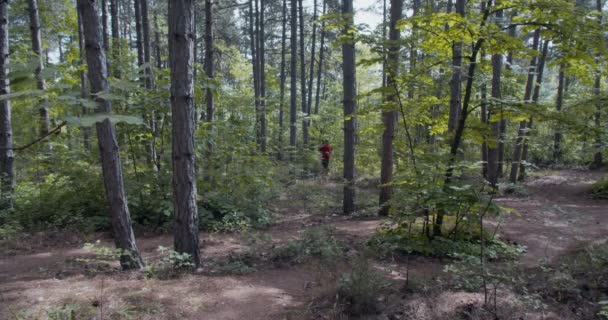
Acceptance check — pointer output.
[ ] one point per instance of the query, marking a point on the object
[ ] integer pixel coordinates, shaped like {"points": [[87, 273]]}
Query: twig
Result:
{"points": [[57, 130]]}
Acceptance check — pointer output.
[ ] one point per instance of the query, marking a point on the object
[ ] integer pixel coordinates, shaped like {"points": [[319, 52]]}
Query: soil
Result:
{"points": [[556, 216]]}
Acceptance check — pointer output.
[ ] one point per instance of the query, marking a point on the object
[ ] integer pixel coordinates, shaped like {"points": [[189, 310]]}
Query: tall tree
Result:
{"points": [[495, 115], [456, 81], [7, 156], [518, 148], [304, 107], [293, 109], [282, 80], [40, 82], [106, 136], [350, 107], [262, 75], [139, 35], [311, 75], [181, 61], [597, 87], [321, 61], [389, 116], [84, 83], [559, 102], [209, 65]]}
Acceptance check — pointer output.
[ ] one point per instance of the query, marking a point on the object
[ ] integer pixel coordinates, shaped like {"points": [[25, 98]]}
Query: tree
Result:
{"points": [[181, 61], [40, 82], [321, 61], [350, 106], [389, 116], [559, 102], [209, 66], [7, 156], [106, 136], [304, 107], [282, 80], [597, 88], [456, 81], [495, 111], [293, 111], [262, 76]]}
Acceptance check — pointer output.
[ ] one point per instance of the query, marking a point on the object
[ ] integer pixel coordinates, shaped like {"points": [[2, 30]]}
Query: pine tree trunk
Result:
{"points": [[40, 83], [7, 156], [139, 36], [253, 39], [495, 116], [106, 136], [293, 111], [321, 61], [597, 157], [313, 49], [181, 61], [262, 75], [282, 81], [105, 29], [535, 97], [559, 102], [209, 65], [84, 88], [159, 61], [350, 108], [456, 81], [389, 116], [304, 106], [518, 148]]}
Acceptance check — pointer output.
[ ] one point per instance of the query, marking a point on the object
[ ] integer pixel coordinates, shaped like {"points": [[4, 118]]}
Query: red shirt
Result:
{"points": [[325, 150]]}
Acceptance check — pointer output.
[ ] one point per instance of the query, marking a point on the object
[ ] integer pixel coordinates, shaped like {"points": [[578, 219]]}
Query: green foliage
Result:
{"points": [[319, 243], [170, 264], [600, 189], [359, 289]]}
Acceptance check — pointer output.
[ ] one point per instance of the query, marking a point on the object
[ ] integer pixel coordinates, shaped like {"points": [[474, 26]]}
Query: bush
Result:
{"points": [[600, 189], [359, 289], [315, 243]]}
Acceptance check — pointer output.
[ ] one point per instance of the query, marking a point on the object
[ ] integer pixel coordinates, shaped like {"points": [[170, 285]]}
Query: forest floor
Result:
{"points": [[45, 277]]}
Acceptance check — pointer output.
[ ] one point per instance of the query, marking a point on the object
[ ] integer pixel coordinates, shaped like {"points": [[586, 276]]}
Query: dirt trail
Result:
{"points": [[557, 216]]}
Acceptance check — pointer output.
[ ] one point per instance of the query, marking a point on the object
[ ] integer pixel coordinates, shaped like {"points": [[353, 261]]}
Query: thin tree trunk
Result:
{"points": [[106, 135], [559, 102], [209, 65], [456, 81], [7, 156], [597, 157], [105, 29], [145, 21], [181, 60], [84, 88], [304, 107], [40, 83], [159, 61], [389, 116], [139, 36], [503, 121], [495, 123], [518, 149], [321, 61], [535, 97], [262, 75], [350, 108], [115, 30], [293, 112], [253, 33], [282, 81], [312, 58]]}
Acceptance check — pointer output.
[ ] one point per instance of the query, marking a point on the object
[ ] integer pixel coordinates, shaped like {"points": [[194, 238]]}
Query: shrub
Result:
{"points": [[315, 243], [600, 189], [359, 289]]}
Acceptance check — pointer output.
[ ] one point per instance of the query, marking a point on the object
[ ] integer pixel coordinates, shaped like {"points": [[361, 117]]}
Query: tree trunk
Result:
{"points": [[503, 121], [389, 116], [518, 149], [106, 136], [262, 76], [321, 61], [311, 75], [40, 83], [7, 156], [282, 80], [456, 81], [535, 97], [209, 65], [181, 60], [159, 61], [139, 36], [293, 112], [253, 36], [495, 123], [304, 107], [597, 157], [145, 21], [105, 29], [559, 102], [350, 108], [84, 88]]}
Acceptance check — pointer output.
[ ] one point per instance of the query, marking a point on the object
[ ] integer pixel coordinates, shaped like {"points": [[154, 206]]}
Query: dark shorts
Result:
{"points": [[325, 163]]}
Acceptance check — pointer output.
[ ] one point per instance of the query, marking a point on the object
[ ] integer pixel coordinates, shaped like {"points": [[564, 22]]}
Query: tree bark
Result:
{"points": [[293, 112], [7, 156], [40, 82], [559, 102], [389, 116], [253, 37], [495, 123], [181, 60], [209, 65], [106, 136], [503, 121], [518, 149], [321, 61], [535, 97], [139, 36], [304, 106], [456, 81], [282, 81], [105, 29], [262, 76], [350, 108], [597, 87], [313, 49], [84, 87]]}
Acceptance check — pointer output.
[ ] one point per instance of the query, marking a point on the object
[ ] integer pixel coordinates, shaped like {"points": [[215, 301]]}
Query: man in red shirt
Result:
{"points": [[325, 150]]}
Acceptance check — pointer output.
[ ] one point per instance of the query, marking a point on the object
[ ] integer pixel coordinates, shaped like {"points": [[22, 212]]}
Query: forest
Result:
{"points": [[304, 159]]}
